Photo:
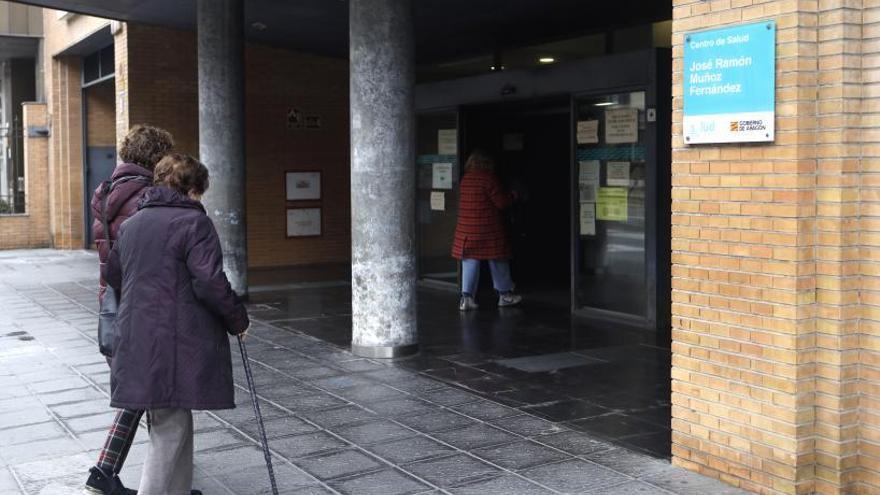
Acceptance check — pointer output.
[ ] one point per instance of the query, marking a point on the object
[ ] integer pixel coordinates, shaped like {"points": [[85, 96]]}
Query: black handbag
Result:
{"points": [[107, 330]]}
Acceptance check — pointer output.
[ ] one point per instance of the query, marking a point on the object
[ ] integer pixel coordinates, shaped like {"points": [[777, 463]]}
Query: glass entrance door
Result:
{"points": [[610, 182], [438, 172]]}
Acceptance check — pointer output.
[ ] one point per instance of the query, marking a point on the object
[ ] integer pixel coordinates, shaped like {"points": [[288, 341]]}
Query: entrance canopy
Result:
{"points": [[445, 29]]}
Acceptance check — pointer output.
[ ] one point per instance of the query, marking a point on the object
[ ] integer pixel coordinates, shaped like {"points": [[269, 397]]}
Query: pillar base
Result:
{"points": [[384, 351]]}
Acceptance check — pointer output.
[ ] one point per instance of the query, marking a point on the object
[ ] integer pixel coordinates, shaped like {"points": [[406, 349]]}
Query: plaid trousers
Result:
{"points": [[119, 441]]}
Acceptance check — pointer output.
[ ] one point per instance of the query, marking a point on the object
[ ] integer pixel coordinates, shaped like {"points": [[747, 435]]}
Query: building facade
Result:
{"points": [[21, 30], [753, 263]]}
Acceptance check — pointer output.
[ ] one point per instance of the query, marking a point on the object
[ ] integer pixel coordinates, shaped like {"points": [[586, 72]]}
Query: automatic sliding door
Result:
{"points": [[438, 174], [610, 169]]}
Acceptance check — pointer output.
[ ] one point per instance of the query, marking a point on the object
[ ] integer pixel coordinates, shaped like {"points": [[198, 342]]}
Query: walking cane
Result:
{"points": [[253, 390]]}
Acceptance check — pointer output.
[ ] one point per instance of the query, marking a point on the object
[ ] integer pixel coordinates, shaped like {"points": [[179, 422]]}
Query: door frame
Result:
{"points": [[420, 279], [645, 70], [603, 315]]}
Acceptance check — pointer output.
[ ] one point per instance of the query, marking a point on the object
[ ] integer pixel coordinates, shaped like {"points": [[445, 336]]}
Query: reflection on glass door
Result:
{"points": [[610, 170], [437, 194]]}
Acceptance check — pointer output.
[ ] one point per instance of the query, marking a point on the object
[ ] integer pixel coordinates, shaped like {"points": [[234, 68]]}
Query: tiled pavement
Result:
{"points": [[337, 424]]}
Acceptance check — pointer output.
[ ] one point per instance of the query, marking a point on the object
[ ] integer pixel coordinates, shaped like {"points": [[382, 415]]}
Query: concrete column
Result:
{"points": [[383, 178], [221, 128]]}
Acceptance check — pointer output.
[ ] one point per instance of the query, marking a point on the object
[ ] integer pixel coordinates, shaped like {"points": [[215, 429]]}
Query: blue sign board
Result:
{"points": [[730, 84]]}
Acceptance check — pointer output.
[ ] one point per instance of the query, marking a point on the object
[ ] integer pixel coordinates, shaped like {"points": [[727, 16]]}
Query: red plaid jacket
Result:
{"points": [[480, 233]]}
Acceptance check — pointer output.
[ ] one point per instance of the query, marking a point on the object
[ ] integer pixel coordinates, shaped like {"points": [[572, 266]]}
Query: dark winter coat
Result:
{"points": [[481, 233], [130, 181], [176, 307]]}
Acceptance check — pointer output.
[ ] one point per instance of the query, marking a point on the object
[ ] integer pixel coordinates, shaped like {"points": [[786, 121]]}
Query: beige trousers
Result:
{"points": [[168, 469]]}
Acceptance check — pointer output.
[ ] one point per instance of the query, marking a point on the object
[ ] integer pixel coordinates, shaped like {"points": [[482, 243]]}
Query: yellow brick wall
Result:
{"points": [[66, 154], [31, 230], [157, 84], [775, 353], [101, 115], [838, 156], [64, 104], [869, 254]]}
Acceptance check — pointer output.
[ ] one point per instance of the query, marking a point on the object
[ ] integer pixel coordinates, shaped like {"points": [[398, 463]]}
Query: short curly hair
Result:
{"points": [[182, 173], [145, 145]]}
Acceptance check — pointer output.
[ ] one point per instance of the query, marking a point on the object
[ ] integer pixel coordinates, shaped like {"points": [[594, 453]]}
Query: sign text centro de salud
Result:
{"points": [[729, 84]]}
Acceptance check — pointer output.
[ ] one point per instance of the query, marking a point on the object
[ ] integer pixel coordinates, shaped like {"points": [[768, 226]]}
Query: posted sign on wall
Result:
{"points": [[730, 84]]}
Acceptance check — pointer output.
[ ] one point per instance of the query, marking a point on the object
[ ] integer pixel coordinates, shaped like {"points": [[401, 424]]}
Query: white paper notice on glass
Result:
{"points": [[588, 219], [588, 181], [588, 132], [447, 142], [588, 171], [587, 191], [617, 174], [442, 176], [438, 200], [621, 125]]}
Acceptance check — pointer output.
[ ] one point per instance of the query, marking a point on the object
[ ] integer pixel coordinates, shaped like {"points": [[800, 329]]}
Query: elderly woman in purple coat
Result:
{"points": [[176, 308]]}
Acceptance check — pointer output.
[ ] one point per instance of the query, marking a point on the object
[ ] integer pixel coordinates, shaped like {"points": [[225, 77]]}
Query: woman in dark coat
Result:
{"points": [[176, 308], [114, 202], [481, 234]]}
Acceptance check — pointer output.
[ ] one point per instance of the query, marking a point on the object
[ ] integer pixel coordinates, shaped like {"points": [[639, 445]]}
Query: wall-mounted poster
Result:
{"points": [[303, 222], [621, 125], [447, 142], [303, 186], [442, 176]]}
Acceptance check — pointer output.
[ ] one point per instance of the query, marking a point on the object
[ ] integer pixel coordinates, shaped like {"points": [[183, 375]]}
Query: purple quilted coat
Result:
{"points": [[176, 308], [122, 203]]}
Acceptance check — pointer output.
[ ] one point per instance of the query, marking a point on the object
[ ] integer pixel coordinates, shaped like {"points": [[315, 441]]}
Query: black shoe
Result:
{"points": [[101, 484]]}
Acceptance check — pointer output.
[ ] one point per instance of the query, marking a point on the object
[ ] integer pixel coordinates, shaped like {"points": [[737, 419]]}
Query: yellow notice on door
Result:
{"points": [[612, 204]]}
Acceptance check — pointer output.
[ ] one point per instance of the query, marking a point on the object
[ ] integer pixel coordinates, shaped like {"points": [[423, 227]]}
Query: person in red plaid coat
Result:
{"points": [[480, 234]]}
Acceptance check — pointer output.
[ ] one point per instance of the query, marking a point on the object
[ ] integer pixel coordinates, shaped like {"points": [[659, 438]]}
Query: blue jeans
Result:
{"points": [[470, 276]]}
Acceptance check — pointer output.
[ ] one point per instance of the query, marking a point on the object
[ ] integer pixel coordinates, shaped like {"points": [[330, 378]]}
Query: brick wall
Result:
{"points": [[101, 115], [64, 105], [277, 81], [775, 349], [838, 156], [31, 230], [157, 78], [120, 82], [868, 254], [66, 154]]}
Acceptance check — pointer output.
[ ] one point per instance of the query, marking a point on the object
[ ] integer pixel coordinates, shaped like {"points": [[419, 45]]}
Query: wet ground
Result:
{"points": [[609, 382], [519, 402]]}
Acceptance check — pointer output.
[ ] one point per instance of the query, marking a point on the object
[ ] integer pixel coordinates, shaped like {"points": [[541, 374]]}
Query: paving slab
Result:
{"points": [[337, 424]]}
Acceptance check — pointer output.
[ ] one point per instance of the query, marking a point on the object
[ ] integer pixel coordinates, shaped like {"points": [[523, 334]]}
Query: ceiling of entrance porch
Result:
{"points": [[18, 47], [445, 29]]}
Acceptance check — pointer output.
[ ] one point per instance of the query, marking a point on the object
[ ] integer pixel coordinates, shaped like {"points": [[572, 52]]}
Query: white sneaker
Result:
{"points": [[509, 299], [467, 304]]}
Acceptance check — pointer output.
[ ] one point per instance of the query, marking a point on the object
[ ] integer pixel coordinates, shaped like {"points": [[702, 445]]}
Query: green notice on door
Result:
{"points": [[612, 204]]}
